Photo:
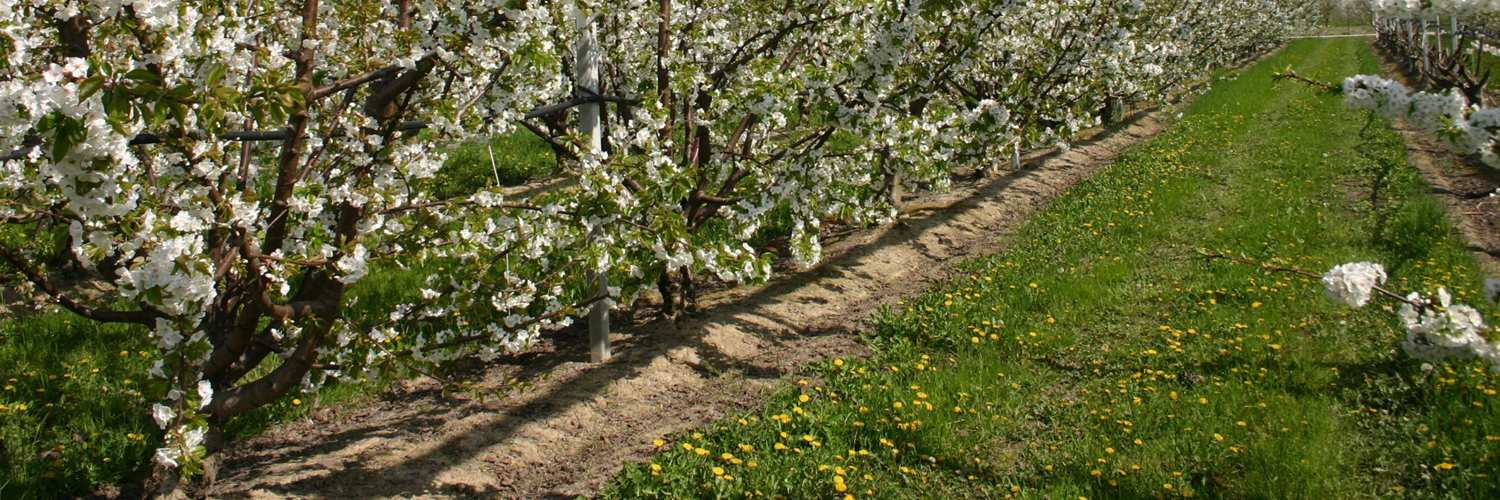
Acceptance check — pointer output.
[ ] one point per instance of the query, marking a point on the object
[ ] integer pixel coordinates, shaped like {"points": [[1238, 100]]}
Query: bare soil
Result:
{"points": [[569, 425], [1464, 188]]}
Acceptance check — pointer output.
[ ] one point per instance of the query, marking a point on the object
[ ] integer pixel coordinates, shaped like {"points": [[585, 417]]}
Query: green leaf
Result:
{"points": [[90, 86], [67, 134], [142, 75], [215, 74]]}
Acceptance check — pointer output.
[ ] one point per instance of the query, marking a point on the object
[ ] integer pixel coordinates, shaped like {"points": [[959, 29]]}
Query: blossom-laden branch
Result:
{"points": [[1290, 74], [1467, 128], [1436, 328], [233, 173]]}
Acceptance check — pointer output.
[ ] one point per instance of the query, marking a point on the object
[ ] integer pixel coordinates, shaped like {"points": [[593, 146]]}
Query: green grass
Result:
{"points": [[1100, 356], [72, 414], [1491, 63], [1341, 29], [76, 394], [519, 157]]}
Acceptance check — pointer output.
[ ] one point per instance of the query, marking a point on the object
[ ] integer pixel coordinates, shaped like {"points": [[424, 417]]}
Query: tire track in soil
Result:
{"points": [[576, 423]]}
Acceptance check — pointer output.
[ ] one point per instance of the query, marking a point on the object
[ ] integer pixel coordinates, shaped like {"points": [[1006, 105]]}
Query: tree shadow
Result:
{"points": [[752, 313]]}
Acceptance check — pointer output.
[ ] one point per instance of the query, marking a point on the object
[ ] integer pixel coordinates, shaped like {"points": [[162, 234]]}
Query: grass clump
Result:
{"points": [[518, 158]]}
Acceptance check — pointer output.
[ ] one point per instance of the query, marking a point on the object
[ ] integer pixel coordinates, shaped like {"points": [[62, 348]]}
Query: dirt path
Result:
{"points": [[575, 424], [1464, 189]]}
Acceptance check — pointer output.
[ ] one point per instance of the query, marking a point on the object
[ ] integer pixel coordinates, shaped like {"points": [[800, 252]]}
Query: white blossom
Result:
{"points": [[205, 393], [162, 414], [168, 457], [1352, 283]]}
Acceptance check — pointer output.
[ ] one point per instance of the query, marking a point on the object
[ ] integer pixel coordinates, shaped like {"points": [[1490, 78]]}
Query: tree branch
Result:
{"points": [[145, 317]]}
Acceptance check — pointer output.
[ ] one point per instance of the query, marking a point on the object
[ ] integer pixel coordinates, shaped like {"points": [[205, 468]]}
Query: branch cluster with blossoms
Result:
{"points": [[1469, 129], [232, 170], [1436, 328]]}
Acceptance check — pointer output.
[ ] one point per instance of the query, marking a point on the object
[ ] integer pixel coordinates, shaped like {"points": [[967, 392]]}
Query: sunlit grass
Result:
{"points": [[1099, 356]]}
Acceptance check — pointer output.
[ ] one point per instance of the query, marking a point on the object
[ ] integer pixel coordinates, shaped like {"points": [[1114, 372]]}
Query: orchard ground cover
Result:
{"points": [[1103, 356]]}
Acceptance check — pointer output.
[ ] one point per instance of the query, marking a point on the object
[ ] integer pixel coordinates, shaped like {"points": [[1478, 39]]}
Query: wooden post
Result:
{"points": [[1437, 24], [1409, 33], [1423, 34], [599, 323], [586, 77], [1453, 30]]}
